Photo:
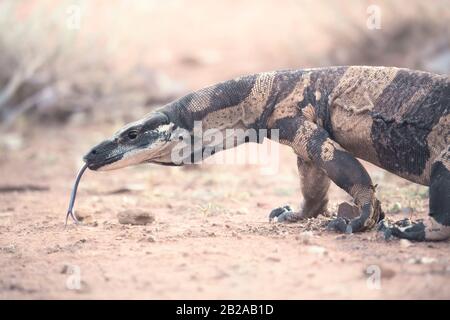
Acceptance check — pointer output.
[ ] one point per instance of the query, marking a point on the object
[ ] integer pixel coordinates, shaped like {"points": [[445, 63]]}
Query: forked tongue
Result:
{"points": [[70, 211]]}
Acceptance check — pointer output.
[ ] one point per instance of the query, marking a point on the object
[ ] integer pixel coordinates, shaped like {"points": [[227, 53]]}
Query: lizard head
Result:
{"points": [[146, 140]]}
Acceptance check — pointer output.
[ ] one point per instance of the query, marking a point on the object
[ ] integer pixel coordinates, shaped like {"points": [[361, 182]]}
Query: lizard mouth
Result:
{"points": [[100, 160], [95, 165]]}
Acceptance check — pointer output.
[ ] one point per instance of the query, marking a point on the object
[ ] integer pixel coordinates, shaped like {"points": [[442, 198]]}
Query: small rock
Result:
{"points": [[242, 211], [65, 269], [134, 217], [273, 259], [83, 216], [305, 237], [404, 243], [11, 142], [396, 207], [348, 211], [262, 205], [407, 210], [321, 251], [221, 275], [427, 260], [369, 238], [387, 273], [53, 249], [236, 235], [421, 260]]}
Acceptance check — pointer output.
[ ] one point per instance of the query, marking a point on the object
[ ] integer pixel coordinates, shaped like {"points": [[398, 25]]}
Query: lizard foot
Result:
{"points": [[340, 224], [284, 214], [351, 219], [404, 229]]}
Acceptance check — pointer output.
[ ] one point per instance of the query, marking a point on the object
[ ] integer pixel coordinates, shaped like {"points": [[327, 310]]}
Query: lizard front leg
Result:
{"points": [[314, 185], [347, 173], [312, 143]]}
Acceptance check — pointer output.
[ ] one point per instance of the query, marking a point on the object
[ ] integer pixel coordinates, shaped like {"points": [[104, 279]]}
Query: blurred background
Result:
{"points": [[61, 60], [74, 71]]}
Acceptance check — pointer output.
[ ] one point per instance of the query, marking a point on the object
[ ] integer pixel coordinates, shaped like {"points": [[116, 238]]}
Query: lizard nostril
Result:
{"points": [[94, 152]]}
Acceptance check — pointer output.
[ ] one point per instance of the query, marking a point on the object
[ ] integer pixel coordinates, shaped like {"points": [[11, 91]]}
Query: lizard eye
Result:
{"points": [[132, 134]]}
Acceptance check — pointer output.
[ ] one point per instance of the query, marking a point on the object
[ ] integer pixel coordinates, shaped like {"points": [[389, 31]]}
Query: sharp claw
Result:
{"points": [[283, 214], [276, 213], [349, 229], [404, 223], [382, 225], [338, 224], [387, 234], [281, 217]]}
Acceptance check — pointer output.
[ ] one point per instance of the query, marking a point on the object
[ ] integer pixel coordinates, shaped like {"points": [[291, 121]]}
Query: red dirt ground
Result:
{"points": [[211, 237]]}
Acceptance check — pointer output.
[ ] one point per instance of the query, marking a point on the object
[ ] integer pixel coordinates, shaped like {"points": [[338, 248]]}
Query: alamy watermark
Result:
{"points": [[200, 145], [73, 281], [373, 281], [373, 21], [73, 17]]}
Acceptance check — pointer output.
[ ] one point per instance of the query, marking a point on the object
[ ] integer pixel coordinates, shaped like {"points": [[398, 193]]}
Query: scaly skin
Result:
{"points": [[397, 119]]}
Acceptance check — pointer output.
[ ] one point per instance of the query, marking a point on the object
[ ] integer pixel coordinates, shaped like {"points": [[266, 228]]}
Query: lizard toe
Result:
{"points": [[283, 214], [414, 232], [339, 224]]}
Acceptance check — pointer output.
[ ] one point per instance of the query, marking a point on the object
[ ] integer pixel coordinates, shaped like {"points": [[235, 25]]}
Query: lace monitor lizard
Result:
{"points": [[397, 119]]}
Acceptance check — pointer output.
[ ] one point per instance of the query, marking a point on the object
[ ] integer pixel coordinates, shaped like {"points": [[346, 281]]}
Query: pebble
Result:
{"points": [[321, 251], [347, 210], [83, 216], [404, 243], [135, 217], [273, 259], [387, 273], [427, 260], [305, 237], [422, 260]]}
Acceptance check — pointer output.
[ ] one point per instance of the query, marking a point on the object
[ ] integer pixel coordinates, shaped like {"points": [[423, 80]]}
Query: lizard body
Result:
{"points": [[397, 119]]}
